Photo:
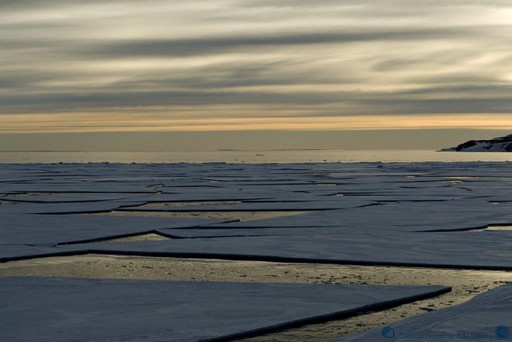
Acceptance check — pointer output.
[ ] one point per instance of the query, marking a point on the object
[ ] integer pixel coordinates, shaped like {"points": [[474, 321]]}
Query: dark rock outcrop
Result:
{"points": [[501, 144]]}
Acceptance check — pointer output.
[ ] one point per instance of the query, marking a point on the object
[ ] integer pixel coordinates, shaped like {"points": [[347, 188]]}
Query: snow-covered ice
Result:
{"points": [[60, 309], [407, 214], [403, 213], [484, 318]]}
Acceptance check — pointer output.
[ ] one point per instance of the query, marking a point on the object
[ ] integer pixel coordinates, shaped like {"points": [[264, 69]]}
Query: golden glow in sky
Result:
{"points": [[120, 122]]}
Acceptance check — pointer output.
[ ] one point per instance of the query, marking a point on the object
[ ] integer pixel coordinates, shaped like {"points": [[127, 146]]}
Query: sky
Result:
{"points": [[279, 74]]}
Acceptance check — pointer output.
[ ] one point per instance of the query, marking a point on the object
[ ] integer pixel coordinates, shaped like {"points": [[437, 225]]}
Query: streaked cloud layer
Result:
{"points": [[76, 66]]}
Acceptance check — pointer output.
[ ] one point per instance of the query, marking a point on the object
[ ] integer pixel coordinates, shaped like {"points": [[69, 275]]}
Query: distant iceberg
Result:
{"points": [[502, 144]]}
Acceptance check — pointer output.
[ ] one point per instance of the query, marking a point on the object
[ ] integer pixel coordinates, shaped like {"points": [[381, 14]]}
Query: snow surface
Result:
{"points": [[58, 309], [403, 213], [411, 214], [484, 318]]}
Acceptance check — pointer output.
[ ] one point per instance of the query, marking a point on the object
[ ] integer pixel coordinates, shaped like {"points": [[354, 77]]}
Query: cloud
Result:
{"points": [[202, 46], [240, 60]]}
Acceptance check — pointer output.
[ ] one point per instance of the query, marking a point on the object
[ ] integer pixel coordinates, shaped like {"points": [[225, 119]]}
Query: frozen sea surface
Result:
{"points": [[397, 214], [404, 214], [484, 318], [61, 309]]}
